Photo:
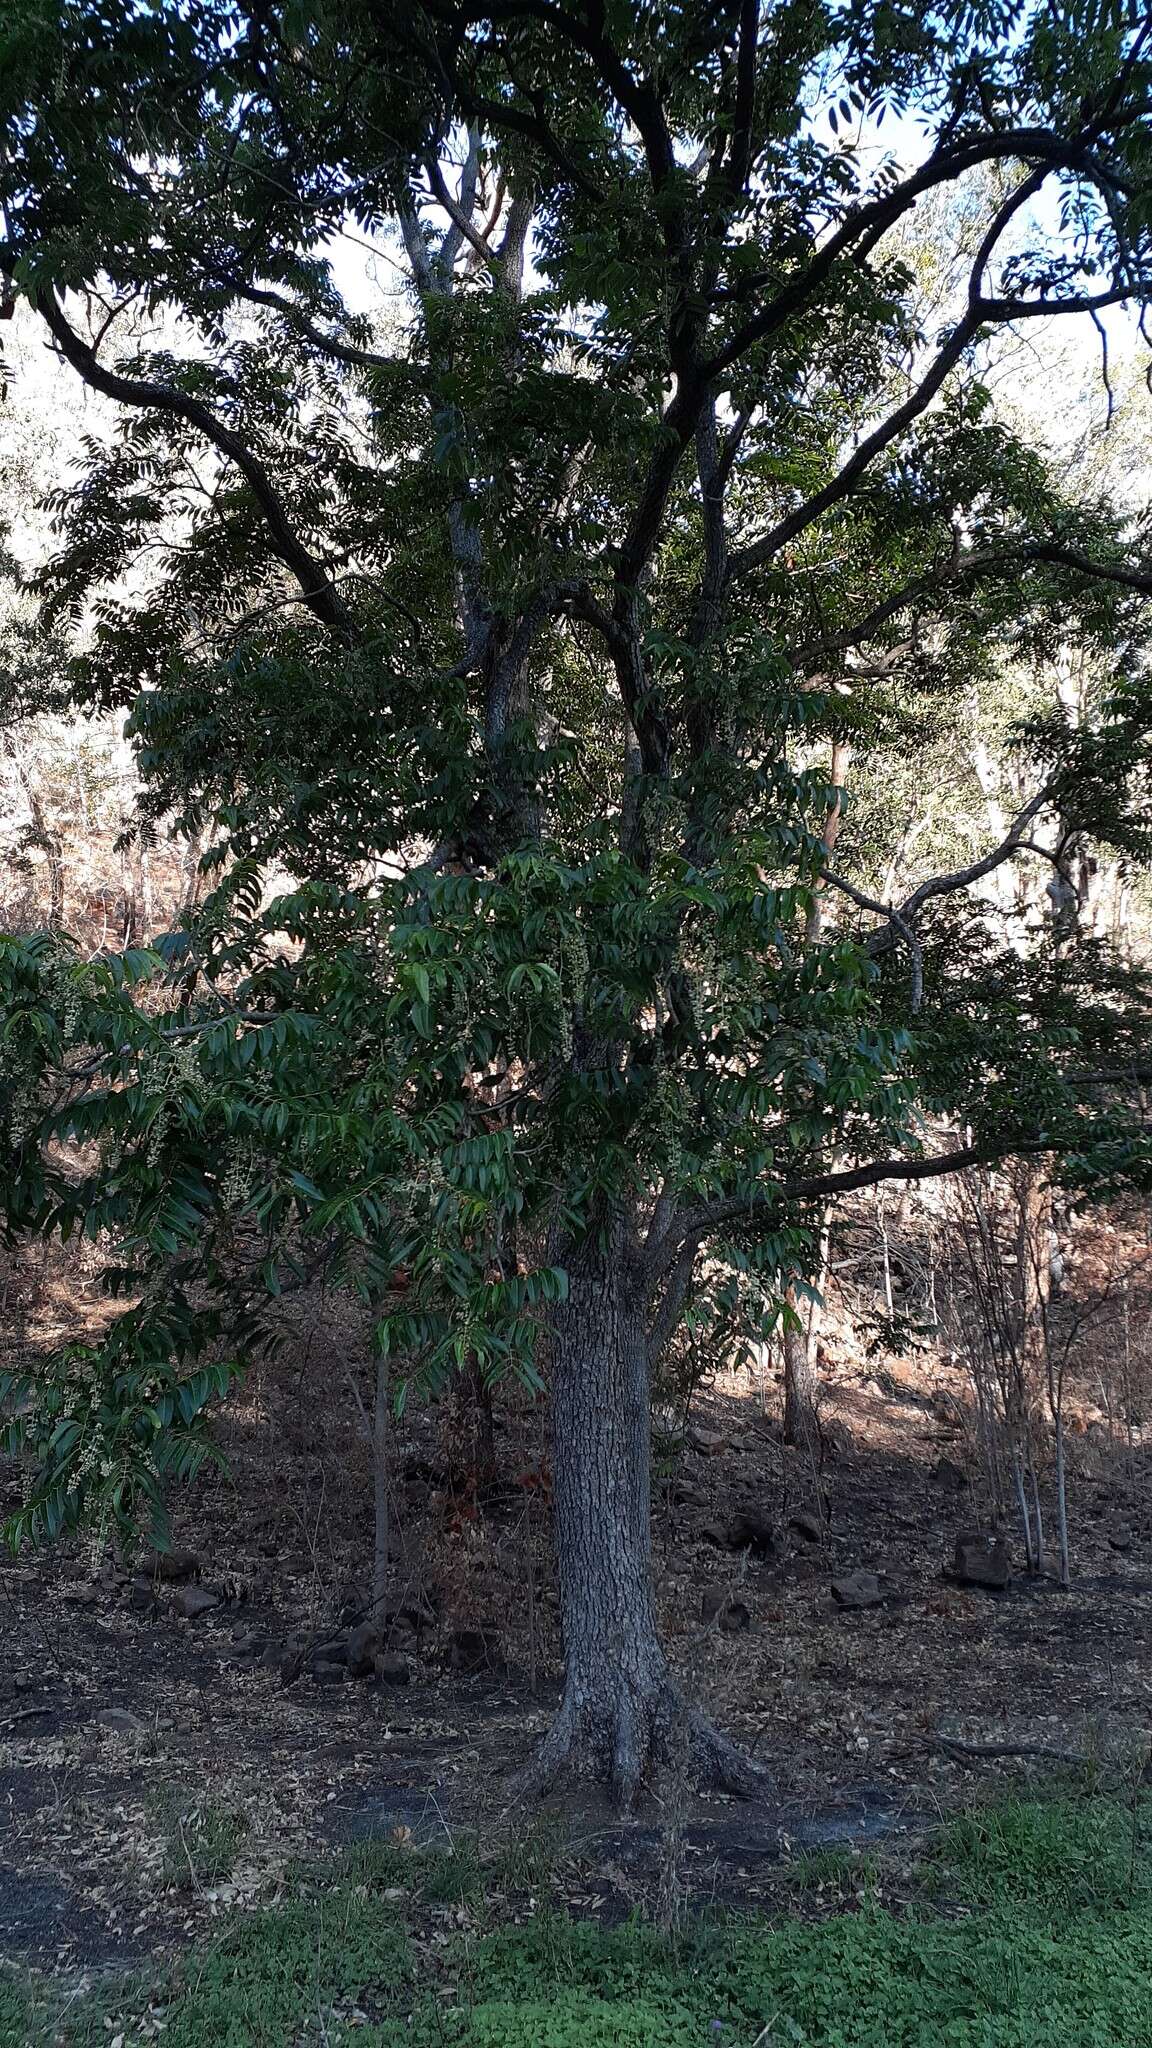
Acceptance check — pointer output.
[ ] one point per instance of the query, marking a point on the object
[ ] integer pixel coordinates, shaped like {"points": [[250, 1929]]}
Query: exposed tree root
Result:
{"points": [[952, 1746], [639, 1741]]}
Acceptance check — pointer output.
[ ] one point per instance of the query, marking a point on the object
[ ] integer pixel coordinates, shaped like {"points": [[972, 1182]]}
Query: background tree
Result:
{"points": [[516, 634]]}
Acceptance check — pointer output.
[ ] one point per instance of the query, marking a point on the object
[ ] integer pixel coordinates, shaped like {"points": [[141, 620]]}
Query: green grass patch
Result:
{"points": [[16, 2009], [1040, 1932], [203, 1837], [450, 1877], [815, 1870], [1055, 1854]]}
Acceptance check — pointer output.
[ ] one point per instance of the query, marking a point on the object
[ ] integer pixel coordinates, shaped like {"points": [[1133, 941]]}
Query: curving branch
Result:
{"points": [[327, 344], [962, 878], [874, 444], [981, 311], [953, 573], [867, 224], [316, 586], [459, 212], [897, 921]]}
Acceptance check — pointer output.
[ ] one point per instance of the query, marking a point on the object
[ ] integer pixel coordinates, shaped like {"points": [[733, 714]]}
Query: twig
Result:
{"points": [[25, 1714]]}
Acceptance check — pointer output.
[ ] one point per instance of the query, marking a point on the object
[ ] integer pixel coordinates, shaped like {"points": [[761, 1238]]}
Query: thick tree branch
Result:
{"points": [[459, 214], [327, 344], [839, 486], [962, 878], [819, 1186], [668, 1309], [620, 631], [979, 313], [952, 575], [316, 586]]}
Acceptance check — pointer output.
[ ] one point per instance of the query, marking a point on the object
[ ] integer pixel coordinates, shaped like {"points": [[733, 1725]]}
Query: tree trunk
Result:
{"points": [[381, 1481], [799, 1377], [622, 1717], [1033, 1250], [841, 761]]}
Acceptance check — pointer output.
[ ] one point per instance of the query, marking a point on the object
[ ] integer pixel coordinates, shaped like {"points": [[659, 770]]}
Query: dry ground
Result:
{"points": [[154, 1770]]}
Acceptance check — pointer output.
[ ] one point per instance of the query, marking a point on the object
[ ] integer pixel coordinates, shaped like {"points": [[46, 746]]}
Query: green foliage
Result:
{"points": [[266, 1977], [1052, 1945], [16, 2009]]}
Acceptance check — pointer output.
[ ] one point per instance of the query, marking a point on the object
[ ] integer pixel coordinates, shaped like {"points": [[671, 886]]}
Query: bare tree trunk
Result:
{"points": [[191, 869], [1037, 1508], [138, 922], [1062, 1499], [841, 760], [40, 834], [622, 1717], [1033, 1251], [1022, 1504], [381, 1482], [799, 1376]]}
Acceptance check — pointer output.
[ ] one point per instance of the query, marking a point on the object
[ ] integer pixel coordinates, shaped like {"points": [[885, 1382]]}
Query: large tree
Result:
{"points": [[512, 618]]}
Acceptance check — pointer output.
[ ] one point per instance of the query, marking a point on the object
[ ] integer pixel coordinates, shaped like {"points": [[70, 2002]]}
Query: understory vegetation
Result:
{"points": [[1024, 1922]]}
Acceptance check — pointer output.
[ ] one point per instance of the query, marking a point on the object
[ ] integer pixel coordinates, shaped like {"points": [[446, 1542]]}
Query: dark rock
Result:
{"points": [[363, 1643], [417, 1494], [272, 1656], [981, 1560], [717, 1605], [82, 1596], [685, 1494], [193, 1601], [250, 1646], [142, 1597], [1119, 1536], [419, 1609], [752, 1530], [420, 1468], [949, 1475], [333, 1650], [472, 1650], [708, 1442], [120, 1721], [809, 1527], [391, 1668], [172, 1567], [329, 1674], [858, 1590]]}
